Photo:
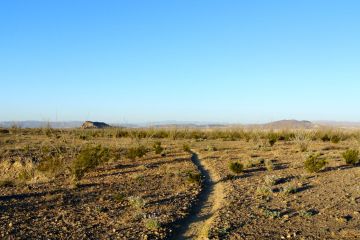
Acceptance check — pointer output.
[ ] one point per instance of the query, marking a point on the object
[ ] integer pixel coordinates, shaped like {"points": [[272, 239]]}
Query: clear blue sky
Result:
{"points": [[185, 60]]}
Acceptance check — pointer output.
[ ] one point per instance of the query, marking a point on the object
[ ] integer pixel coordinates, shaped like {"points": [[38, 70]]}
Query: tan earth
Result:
{"points": [[172, 193]]}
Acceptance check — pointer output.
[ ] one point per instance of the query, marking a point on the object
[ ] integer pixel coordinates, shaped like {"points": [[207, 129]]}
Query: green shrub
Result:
{"points": [[135, 152], [351, 156], [194, 177], [89, 158], [236, 167], [157, 147], [307, 213], [325, 138], [272, 213], [119, 197], [272, 137], [314, 164], [335, 138]]}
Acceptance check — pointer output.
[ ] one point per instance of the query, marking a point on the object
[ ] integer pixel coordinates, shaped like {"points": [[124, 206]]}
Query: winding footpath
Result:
{"points": [[197, 224]]}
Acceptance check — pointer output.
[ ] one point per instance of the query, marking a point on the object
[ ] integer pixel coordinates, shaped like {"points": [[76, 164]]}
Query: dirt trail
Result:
{"points": [[197, 224]]}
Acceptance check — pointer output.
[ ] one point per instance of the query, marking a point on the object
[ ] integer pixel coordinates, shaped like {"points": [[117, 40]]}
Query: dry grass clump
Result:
{"points": [[314, 164], [271, 180], [263, 191], [289, 189], [211, 148], [136, 202], [302, 139], [21, 171], [269, 165], [254, 162], [351, 156]]}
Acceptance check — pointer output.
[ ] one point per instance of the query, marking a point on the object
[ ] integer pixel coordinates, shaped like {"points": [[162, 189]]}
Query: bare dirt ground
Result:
{"points": [[122, 199], [323, 205], [158, 195]]}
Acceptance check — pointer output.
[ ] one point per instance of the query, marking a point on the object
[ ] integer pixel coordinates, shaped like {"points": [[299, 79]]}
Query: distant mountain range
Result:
{"points": [[285, 124], [282, 124], [42, 124]]}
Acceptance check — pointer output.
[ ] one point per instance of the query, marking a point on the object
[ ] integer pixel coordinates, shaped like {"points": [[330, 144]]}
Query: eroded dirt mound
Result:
{"points": [[92, 125]]}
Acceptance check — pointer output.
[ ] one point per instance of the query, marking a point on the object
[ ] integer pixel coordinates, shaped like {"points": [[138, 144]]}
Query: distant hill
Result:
{"points": [[338, 124], [41, 124], [44, 124]]}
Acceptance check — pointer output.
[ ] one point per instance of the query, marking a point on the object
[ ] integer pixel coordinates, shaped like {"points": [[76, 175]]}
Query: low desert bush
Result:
{"points": [[314, 164], [186, 148], [157, 147], [119, 197], [4, 131], [335, 138], [351, 156], [89, 158], [325, 138], [236, 167], [134, 152], [272, 137]]}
